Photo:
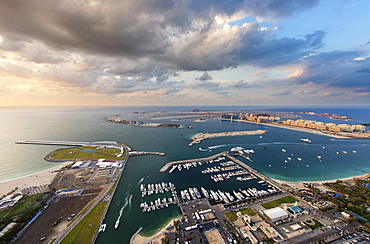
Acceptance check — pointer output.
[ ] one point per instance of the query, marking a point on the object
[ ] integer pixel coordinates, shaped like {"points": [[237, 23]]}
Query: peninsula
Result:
{"points": [[202, 136]]}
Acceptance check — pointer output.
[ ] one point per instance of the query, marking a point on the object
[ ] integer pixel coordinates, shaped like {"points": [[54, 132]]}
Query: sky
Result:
{"points": [[184, 52]]}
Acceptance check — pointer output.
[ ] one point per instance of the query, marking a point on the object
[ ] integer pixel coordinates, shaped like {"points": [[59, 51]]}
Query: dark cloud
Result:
{"points": [[178, 34], [205, 76], [266, 8], [336, 69]]}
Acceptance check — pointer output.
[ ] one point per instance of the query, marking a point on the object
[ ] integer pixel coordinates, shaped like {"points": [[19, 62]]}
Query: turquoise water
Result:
{"points": [[86, 124]]}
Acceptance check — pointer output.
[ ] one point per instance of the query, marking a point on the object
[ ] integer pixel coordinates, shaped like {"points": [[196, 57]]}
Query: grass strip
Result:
{"points": [[85, 152], [314, 226], [278, 202], [248, 211], [23, 204], [231, 216], [87, 228]]}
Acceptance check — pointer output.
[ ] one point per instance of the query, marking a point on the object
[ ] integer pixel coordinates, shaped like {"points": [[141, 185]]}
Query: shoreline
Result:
{"points": [[313, 131], [35, 179], [299, 184], [156, 238], [196, 139]]}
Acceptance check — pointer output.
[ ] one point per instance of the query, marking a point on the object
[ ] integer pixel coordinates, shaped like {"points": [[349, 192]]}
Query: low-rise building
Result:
{"points": [[275, 214]]}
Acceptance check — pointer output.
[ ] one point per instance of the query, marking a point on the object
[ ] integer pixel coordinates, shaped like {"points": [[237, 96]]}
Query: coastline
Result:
{"points": [[341, 135], [299, 185], [157, 237], [34, 179], [196, 139]]}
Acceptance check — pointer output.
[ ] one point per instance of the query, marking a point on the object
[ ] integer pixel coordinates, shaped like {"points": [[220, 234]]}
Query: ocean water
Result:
{"points": [[86, 124]]}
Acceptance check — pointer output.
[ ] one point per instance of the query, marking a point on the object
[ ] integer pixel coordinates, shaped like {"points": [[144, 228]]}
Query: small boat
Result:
{"points": [[102, 228], [319, 157], [299, 159], [337, 152], [283, 150], [344, 152], [305, 140], [116, 224], [354, 151]]}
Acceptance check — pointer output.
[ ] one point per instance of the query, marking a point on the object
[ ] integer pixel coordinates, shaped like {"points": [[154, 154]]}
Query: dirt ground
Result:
{"points": [[79, 178], [61, 207], [64, 207]]}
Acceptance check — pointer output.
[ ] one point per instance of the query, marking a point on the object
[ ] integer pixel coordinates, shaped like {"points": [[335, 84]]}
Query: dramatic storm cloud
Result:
{"points": [[145, 49]]}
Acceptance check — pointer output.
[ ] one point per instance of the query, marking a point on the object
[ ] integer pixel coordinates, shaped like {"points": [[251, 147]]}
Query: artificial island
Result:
{"points": [[73, 204]]}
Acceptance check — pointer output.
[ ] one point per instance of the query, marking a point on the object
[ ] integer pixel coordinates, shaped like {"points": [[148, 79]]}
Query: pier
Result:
{"points": [[256, 173], [167, 165]]}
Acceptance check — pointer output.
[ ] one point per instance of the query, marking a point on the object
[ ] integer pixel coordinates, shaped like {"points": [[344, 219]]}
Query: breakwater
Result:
{"points": [[167, 165], [256, 173]]}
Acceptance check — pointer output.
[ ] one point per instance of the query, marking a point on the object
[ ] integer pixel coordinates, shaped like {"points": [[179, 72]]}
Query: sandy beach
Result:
{"points": [[202, 136], [339, 135], [149, 124], [300, 185], [35, 179], [156, 238]]}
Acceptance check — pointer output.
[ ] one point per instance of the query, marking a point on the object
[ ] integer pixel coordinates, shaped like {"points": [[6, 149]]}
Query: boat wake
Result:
{"points": [[277, 143], [141, 180], [127, 202], [208, 149]]}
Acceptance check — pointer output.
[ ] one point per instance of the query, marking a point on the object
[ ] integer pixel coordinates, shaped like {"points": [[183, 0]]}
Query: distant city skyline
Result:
{"points": [[192, 52]]}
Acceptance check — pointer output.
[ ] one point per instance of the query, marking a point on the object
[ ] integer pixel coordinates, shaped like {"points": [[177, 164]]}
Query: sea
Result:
{"points": [[340, 158]]}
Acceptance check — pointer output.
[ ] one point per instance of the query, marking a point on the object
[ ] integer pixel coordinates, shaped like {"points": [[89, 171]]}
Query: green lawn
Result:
{"points": [[21, 206], [85, 231], [248, 211], [314, 226], [78, 153], [231, 216], [2, 213], [278, 202]]}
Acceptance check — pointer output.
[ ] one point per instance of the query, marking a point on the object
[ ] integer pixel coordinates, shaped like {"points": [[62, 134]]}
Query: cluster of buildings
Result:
{"points": [[258, 118], [102, 163], [116, 119], [10, 200], [278, 215], [312, 124], [333, 116]]}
